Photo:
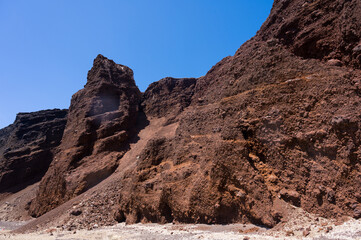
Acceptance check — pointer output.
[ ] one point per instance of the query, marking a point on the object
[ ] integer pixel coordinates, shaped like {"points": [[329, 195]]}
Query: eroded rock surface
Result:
{"points": [[100, 123], [27, 147], [168, 96], [279, 119], [320, 29], [277, 122]]}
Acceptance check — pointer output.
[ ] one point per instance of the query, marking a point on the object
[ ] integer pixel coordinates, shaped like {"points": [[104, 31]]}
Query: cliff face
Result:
{"points": [[278, 120], [27, 147], [317, 29], [100, 121], [168, 96], [295, 31]]}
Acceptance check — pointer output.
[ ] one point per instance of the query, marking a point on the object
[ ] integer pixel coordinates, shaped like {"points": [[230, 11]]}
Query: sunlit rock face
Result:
{"points": [[96, 136], [325, 30], [279, 122]]}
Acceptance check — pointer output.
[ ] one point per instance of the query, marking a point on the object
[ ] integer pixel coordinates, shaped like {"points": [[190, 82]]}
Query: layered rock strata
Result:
{"points": [[27, 147]]}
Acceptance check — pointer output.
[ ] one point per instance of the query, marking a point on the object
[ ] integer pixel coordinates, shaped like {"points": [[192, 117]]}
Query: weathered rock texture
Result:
{"points": [[168, 96], [278, 120], [320, 29], [100, 124], [27, 147]]}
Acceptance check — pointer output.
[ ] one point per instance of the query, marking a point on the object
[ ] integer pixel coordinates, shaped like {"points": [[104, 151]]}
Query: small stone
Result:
{"points": [[273, 178], [331, 196], [339, 120], [316, 192], [334, 62], [291, 196], [76, 212], [241, 194], [306, 232], [328, 229], [357, 212]]}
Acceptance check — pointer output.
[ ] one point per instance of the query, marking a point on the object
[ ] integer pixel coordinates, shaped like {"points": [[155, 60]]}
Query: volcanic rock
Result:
{"points": [[168, 96], [27, 147], [274, 120], [290, 196], [96, 136], [265, 113], [320, 29]]}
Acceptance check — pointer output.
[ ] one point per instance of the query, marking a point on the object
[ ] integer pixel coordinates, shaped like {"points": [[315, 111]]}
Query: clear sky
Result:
{"points": [[48, 46]]}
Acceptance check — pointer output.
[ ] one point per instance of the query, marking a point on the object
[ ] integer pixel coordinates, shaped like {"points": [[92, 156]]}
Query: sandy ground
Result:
{"points": [[348, 230]]}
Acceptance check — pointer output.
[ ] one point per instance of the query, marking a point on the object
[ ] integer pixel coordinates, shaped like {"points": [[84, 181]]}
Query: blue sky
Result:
{"points": [[47, 47]]}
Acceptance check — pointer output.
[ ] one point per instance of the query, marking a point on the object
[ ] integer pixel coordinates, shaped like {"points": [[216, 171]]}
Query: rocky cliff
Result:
{"points": [[27, 147], [168, 96], [279, 119], [276, 123], [100, 124], [327, 30]]}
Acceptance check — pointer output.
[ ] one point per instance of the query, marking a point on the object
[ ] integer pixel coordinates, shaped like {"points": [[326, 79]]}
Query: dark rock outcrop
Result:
{"points": [[278, 120], [320, 29], [27, 147], [100, 123], [195, 179], [168, 96]]}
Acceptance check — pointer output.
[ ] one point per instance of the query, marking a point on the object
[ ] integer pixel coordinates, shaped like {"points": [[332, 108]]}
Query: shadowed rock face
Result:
{"points": [[320, 29], [278, 120], [27, 147], [168, 96], [100, 123]]}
